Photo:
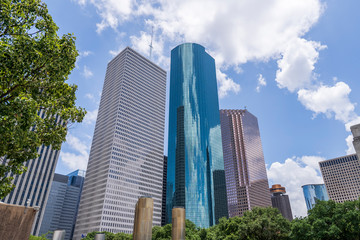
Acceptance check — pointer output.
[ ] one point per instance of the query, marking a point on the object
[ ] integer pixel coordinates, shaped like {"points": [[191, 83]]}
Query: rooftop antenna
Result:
{"points": [[151, 46]]}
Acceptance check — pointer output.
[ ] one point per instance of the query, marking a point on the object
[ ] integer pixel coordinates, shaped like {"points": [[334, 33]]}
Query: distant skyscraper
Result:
{"points": [[342, 177], [313, 193], [63, 202], [195, 175], [126, 156], [35, 183], [246, 179], [163, 207], [281, 201]]}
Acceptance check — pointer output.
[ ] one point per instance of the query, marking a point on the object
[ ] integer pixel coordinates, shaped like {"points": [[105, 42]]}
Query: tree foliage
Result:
{"points": [[327, 220], [109, 236], [34, 66], [259, 223]]}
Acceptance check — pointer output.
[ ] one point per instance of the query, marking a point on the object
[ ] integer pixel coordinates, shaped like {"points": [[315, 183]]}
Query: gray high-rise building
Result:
{"points": [[246, 179], [355, 129], [126, 156], [281, 201], [34, 184], [63, 202]]}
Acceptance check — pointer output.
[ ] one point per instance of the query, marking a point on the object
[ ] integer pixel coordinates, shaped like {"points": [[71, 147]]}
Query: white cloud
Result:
{"points": [[89, 96], [294, 173], [354, 121], [113, 12], [142, 44], [329, 100], [234, 31], [87, 73], [90, 117], [226, 84], [297, 64], [81, 2], [79, 157], [85, 53], [349, 143], [261, 82]]}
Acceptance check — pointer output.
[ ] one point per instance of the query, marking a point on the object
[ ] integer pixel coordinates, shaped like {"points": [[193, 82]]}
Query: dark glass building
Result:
{"points": [[314, 192], [281, 201], [62, 206], [195, 175], [163, 206], [246, 179]]}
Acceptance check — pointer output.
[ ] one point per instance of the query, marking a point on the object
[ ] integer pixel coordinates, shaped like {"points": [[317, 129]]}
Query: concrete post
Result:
{"points": [[59, 235], [16, 221], [100, 236], [143, 219], [178, 223]]}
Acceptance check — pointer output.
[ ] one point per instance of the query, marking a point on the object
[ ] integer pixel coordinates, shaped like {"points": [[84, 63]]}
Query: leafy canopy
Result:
{"points": [[327, 220], [36, 103]]}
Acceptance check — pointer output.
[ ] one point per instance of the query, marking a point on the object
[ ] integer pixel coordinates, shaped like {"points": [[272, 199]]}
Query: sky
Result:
{"points": [[293, 64]]}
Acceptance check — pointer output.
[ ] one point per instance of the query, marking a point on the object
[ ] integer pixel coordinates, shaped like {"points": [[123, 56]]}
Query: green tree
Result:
{"points": [[34, 66], [161, 233], [42, 237], [329, 220], [109, 236], [164, 233], [259, 223], [123, 236]]}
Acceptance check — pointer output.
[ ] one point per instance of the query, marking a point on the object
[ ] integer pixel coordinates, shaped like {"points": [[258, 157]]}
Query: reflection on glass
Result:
{"points": [[313, 193], [246, 179], [195, 158]]}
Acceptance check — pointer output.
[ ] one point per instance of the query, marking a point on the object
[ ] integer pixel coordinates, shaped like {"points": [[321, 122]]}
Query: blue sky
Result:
{"points": [[293, 64]]}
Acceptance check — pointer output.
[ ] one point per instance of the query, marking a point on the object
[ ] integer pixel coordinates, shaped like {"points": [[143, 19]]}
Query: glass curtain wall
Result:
{"points": [[195, 174]]}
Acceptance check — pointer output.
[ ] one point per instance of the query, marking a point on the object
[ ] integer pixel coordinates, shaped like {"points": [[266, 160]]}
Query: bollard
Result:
{"points": [[59, 235], [143, 219], [178, 223], [99, 236]]}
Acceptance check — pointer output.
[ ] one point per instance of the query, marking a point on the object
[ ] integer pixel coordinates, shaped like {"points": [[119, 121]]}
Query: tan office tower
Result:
{"points": [[246, 179], [342, 175], [126, 156]]}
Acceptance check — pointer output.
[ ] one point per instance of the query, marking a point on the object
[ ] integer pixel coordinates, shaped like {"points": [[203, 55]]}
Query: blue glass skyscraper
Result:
{"points": [[314, 192], [195, 174]]}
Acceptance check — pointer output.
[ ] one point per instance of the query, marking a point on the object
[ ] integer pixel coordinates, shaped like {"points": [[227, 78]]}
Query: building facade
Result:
{"points": [[281, 201], [313, 193], [195, 174], [355, 129], [163, 207], [342, 177], [33, 186], [126, 156], [61, 209], [246, 179]]}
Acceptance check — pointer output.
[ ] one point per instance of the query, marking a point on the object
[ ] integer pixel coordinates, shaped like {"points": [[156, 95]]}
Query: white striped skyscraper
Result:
{"points": [[126, 156], [35, 183], [246, 179]]}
